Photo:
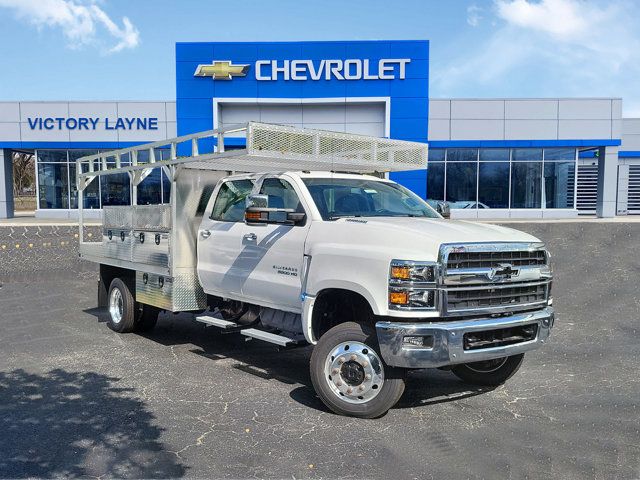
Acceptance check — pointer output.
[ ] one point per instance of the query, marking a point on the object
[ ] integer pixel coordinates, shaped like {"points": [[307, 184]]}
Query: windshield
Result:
{"points": [[355, 197]]}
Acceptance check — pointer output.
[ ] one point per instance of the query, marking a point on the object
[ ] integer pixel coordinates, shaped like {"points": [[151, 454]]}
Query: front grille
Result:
{"points": [[496, 296], [494, 259]]}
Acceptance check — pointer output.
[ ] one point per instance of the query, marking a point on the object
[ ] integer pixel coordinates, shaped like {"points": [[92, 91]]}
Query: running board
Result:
{"points": [[268, 337], [216, 322]]}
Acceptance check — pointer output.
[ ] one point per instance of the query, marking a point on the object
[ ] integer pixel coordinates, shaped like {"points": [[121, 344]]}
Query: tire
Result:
{"points": [[147, 318], [353, 349], [121, 306], [491, 373]]}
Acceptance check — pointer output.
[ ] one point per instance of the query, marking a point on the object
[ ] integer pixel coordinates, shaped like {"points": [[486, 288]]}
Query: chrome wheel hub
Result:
{"points": [[116, 305], [354, 372]]}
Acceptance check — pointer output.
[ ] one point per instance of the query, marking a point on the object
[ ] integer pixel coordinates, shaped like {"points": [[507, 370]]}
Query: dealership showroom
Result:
{"points": [[488, 158]]}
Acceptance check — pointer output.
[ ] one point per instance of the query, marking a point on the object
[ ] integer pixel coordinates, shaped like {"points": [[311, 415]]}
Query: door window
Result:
{"points": [[281, 194], [230, 202]]}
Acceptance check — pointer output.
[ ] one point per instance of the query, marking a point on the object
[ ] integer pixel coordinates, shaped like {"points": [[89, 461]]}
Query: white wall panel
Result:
{"points": [[314, 113], [281, 113], [144, 135], [477, 129], [616, 108], [9, 112], [477, 109], [374, 129], [43, 109], [100, 134], [439, 109], [142, 109], [172, 129], [616, 128], [585, 109], [584, 129], [631, 142], [439, 129], [171, 111], [365, 112], [334, 127], [631, 126], [531, 129], [9, 132], [93, 109], [531, 109], [238, 113], [28, 135]]}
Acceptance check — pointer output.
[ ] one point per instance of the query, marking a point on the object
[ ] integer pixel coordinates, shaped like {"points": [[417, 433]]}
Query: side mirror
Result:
{"points": [[257, 212]]}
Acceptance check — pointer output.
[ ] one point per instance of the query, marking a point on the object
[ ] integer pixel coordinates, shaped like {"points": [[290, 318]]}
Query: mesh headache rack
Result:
{"points": [[269, 147]]}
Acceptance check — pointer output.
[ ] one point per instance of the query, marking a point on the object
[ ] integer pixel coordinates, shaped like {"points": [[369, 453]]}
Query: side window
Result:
{"points": [[230, 202], [281, 194]]}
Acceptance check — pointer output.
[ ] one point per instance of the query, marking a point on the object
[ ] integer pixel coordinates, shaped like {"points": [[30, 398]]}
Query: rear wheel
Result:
{"points": [[122, 307], [349, 374], [490, 372]]}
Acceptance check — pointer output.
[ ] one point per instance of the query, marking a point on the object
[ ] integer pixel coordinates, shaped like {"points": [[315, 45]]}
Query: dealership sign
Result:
{"points": [[349, 69], [92, 123]]}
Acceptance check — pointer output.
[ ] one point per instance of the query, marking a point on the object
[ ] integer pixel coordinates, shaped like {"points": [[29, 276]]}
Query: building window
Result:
{"points": [[53, 185], [493, 185], [526, 185], [462, 184], [559, 177], [435, 181]]}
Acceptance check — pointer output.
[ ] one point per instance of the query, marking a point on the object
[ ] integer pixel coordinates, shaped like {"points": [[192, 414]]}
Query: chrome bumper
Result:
{"points": [[447, 339]]}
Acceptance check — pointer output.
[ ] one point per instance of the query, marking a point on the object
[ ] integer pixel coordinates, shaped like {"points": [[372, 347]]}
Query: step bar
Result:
{"points": [[226, 325]]}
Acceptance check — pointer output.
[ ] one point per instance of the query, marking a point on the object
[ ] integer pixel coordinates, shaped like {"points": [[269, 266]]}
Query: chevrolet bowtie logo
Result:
{"points": [[221, 70]]}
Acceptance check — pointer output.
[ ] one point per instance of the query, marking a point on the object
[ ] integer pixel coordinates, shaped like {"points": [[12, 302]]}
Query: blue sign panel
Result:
{"points": [[397, 71]]}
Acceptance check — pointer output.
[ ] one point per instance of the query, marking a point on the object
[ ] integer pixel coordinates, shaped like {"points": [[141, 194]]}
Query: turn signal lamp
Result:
{"points": [[399, 298], [252, 216]]}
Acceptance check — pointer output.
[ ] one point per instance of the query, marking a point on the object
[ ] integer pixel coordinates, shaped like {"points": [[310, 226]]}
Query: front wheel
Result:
{"points": [[489, 373], [349, 375]]}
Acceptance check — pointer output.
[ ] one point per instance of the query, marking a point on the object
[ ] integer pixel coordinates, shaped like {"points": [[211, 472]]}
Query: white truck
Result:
{"points": [[293, 252]]}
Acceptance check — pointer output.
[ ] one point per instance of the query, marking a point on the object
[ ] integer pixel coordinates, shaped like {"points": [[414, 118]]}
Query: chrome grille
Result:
{"points": [[494, 259], [506, 295]]}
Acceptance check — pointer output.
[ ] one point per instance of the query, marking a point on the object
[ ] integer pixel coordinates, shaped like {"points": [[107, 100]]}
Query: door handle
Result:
{"points": [[205, 233], [252, 237]]}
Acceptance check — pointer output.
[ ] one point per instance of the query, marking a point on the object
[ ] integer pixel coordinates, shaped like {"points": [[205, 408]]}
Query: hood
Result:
{"points": [[452, 231], [411, 238]]}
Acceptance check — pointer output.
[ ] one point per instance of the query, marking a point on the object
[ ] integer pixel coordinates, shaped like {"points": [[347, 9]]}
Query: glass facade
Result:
{"points": [[57, 182], [503, 177]]}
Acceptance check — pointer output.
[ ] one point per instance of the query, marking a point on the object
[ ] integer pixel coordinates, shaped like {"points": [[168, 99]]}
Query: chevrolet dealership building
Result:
{"points": [[489, 158]]}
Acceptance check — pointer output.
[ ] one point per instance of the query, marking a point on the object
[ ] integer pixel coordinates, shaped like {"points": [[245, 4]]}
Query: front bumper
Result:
{"points": [[447, 342]]}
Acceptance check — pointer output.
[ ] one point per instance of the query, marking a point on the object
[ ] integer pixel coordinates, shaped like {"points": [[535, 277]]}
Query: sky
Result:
{"points": [[124, 49]]}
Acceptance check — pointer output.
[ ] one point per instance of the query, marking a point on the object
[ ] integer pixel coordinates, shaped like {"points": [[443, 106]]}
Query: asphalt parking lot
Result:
{"points": [[79, 400]]}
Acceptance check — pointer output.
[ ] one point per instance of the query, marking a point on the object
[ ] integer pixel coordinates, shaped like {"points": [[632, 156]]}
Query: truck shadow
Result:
{"points": [[78, 424], [291, 366]]}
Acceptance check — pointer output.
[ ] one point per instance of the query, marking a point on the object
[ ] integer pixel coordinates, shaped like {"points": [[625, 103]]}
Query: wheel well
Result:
{"points": [[107, 274], [334, 306]]}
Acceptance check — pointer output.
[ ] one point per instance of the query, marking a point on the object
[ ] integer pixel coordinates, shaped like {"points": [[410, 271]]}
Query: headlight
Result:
{"points": [[412, 285], [405, 270]]}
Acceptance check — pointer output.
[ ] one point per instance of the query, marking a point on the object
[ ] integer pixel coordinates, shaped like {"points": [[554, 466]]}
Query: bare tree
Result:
{"points": [[24, 173]]}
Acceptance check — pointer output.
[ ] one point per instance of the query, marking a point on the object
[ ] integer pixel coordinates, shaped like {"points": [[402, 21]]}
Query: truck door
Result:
{"points": [[277, 251], [221, 260]]}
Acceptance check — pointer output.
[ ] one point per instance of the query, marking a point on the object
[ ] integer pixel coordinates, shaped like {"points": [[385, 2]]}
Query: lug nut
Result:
{"points": [[365, 364], [349, 390], [341, 360], [368, 376], [335, 371], [339, 383], [353, 357], [361, 388]]}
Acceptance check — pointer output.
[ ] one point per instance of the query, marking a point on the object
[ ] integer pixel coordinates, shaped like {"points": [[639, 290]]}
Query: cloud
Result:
{"points": [[82, 22], [473, 15], [549, 48]]}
